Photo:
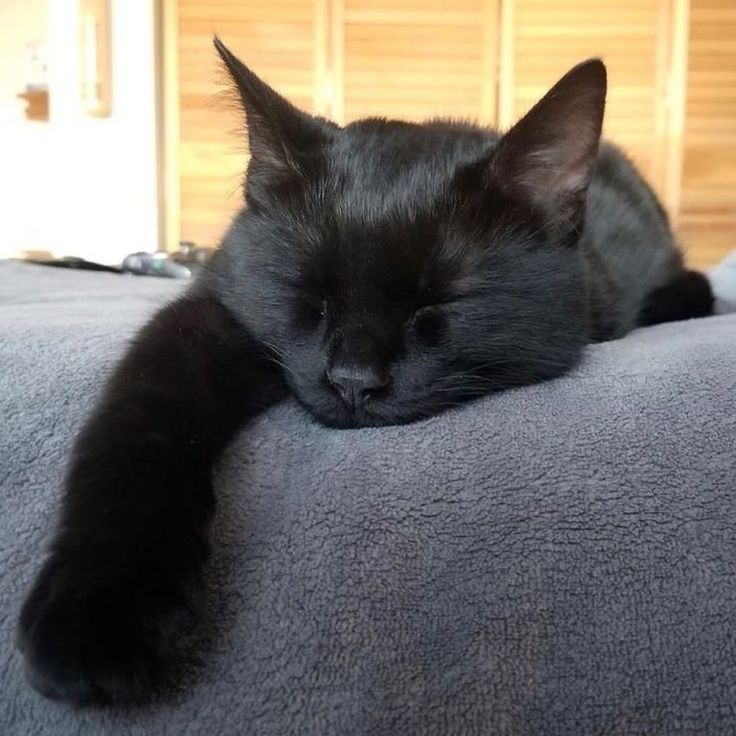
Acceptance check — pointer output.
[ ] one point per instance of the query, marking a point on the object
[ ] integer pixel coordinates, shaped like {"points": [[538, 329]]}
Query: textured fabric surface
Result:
{"points": [[554, 560]]}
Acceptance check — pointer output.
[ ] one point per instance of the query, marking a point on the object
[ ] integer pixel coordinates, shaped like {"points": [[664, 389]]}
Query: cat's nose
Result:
{"points": [[355, 383]]}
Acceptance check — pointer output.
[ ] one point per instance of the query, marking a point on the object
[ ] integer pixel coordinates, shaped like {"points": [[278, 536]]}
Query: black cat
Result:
{"points": [[380, 273]]}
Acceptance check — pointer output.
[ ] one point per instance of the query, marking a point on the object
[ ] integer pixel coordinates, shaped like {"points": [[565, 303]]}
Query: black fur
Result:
{"points": [[381, 272], [689, 295]]}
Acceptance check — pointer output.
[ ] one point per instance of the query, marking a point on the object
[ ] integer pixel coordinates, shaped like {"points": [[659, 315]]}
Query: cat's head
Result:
{"points": [[395, 269]]}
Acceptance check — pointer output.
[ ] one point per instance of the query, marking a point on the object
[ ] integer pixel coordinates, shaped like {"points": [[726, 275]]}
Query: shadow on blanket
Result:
{"points": [[558, 559]]}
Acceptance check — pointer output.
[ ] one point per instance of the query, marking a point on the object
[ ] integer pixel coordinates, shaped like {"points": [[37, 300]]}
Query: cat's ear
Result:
{"points": [[549, 155], [280, 136]]}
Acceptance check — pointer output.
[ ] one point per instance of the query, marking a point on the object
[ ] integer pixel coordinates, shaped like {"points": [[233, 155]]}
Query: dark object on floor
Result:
{"points": [[80, 264], [558, 559], [139, 264], [155, 264]]}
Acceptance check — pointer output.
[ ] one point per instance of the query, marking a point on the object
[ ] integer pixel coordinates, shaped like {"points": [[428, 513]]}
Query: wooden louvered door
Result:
{"points": [[346, 59], [282, 40], [415, 59], [484, 60], [708, 202], [540, 40]]}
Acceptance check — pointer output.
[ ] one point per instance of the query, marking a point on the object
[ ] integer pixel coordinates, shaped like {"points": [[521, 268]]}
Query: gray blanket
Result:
{"points": [[559, 559]]}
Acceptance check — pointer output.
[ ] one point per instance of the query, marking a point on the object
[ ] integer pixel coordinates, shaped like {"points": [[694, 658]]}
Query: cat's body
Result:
{"points": [[627, 246], [380, 273]]}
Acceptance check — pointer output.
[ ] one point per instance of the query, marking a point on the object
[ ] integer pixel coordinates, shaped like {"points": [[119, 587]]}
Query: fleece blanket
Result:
{"points": [[559, 559]]}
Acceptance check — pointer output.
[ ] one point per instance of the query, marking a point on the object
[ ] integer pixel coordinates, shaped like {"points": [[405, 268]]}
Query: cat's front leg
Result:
{"points": [[123, 580]]}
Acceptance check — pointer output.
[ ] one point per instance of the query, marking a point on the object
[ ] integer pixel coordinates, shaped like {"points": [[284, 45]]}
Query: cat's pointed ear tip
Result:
{"points": [[239, 71], [592, 71], [224, 52]]}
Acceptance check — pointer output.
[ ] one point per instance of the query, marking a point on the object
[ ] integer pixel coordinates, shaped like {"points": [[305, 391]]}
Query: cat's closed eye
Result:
{"points": [[428, 324], [309, 313]]}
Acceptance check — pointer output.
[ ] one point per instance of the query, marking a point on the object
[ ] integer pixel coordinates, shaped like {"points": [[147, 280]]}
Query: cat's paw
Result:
{"points": [[92, 634]]}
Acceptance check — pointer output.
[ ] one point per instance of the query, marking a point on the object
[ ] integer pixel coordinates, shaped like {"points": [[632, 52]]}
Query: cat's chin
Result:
{"points": [[339, 417], [362, 420]]}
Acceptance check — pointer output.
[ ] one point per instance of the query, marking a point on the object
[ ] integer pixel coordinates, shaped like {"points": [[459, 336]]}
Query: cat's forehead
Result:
{"points": [[379, 223], [373, 163], [440, 140], [382, 218]]}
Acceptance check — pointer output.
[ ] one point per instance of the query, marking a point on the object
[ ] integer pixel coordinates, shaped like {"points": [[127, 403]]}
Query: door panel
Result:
{"points": [[542, 40], [279, 40], [708, 219]]}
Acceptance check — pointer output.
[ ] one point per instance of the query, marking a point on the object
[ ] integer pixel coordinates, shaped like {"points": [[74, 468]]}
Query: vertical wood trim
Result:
{"points": [[171, 124], [322, 60], [337, 55], [489, 106], [506, 64], [663, 60], [95, 73], [159, 92], [676, 95]]}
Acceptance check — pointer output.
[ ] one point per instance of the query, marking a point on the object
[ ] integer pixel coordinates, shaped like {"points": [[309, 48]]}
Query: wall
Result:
{"points": [[24, 145], [81, 185]]}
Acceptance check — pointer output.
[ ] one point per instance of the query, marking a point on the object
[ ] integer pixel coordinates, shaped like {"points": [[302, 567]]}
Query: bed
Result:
{"points": [[559, 559]]}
